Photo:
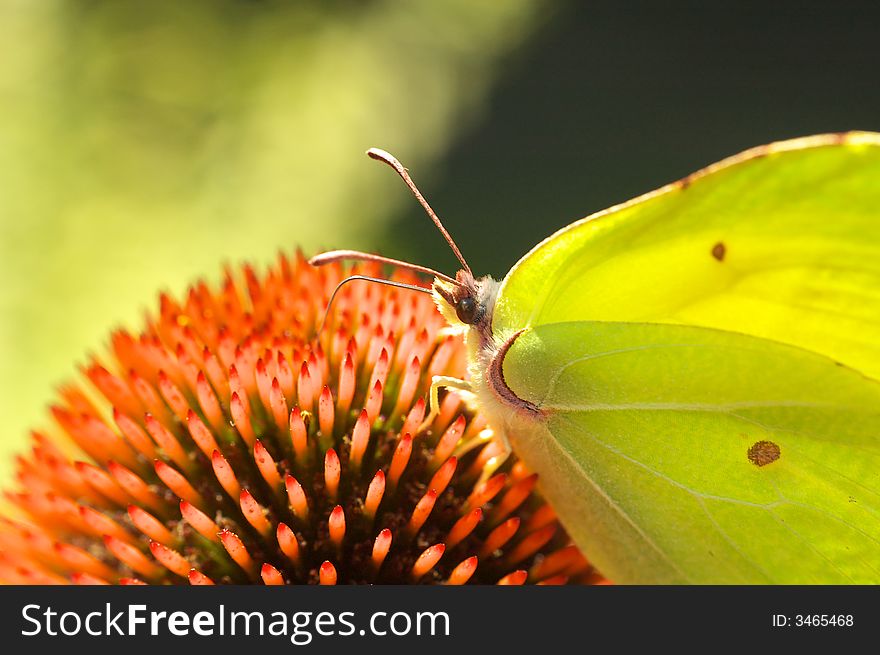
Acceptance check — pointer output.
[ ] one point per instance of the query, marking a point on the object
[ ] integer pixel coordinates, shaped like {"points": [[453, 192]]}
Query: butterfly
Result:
{"points": [[695, 374]]}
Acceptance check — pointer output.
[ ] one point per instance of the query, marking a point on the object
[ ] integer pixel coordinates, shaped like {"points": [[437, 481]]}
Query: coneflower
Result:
{"points": [[232, 443]]}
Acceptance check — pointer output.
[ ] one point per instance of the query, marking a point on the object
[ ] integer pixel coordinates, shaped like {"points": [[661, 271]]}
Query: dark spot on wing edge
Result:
{"points": [[718, 251], [499, 384], [763, 452]]}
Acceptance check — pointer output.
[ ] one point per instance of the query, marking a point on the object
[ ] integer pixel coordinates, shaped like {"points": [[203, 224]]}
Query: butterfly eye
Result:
{"points": [[466, 310]]}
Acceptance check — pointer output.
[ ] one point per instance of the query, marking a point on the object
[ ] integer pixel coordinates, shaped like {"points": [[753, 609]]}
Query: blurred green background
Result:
{"points": [[144, 144]]}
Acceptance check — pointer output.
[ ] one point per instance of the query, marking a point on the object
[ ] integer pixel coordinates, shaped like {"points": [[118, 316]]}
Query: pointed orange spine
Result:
{"points": [[131, 556], [200, 434], [86, 579], [241, 418], [167, 442], [149, 525], [463, 572], [556, 562], [134, 434], [400, 459], [487, 490], [443, 476], [101, 524], [135, 487], [408, 386], [178, 484], [463, 527], [427, 561], [381, 546], [347, 383], [360, 438], [79, 560], [499, 536], [374, 402], [209, 403], [266, 465], [200, 521], [304, 392], [447, 442], [327, 573], [326, 412], [278, 404], [515, 578], [288, 543], [225, 474], [170, 559], [530, 544], [173, 396], [102, 483], [332, 471], [336, 524], [298, 435], [297, 497], [254, 513], [421, 512], [238, 552], [197, 578], [374, 495], [414, 418], [271, 575], [513, 498]]}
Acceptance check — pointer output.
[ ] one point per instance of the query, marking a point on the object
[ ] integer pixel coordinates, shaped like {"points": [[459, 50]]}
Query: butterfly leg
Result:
{"points": [[441, 382], [499, 439]]}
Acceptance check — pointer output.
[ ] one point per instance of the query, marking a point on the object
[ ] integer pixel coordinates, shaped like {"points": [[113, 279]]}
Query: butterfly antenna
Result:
{"points": [[339, 255], [352, 278], [391, 160]]}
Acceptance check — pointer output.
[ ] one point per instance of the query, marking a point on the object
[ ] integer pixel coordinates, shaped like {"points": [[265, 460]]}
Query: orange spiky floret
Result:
{"points": [[230, 443]]}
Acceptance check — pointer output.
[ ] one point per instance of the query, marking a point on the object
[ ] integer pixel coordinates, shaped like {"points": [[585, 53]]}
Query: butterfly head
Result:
{"points": [[467, 301]]}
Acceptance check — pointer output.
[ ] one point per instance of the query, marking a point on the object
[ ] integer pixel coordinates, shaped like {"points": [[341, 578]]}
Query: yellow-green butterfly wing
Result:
{"points": [[681, 454], [704, 361], [781, 242]]}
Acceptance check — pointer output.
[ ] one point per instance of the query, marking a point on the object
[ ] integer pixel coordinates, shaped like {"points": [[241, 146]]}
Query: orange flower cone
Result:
{"points": [[231, 443]]}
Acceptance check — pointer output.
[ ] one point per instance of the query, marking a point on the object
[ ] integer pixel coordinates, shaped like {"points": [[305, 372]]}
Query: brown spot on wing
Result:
{"points": [[718, 251], [763, 452]]}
